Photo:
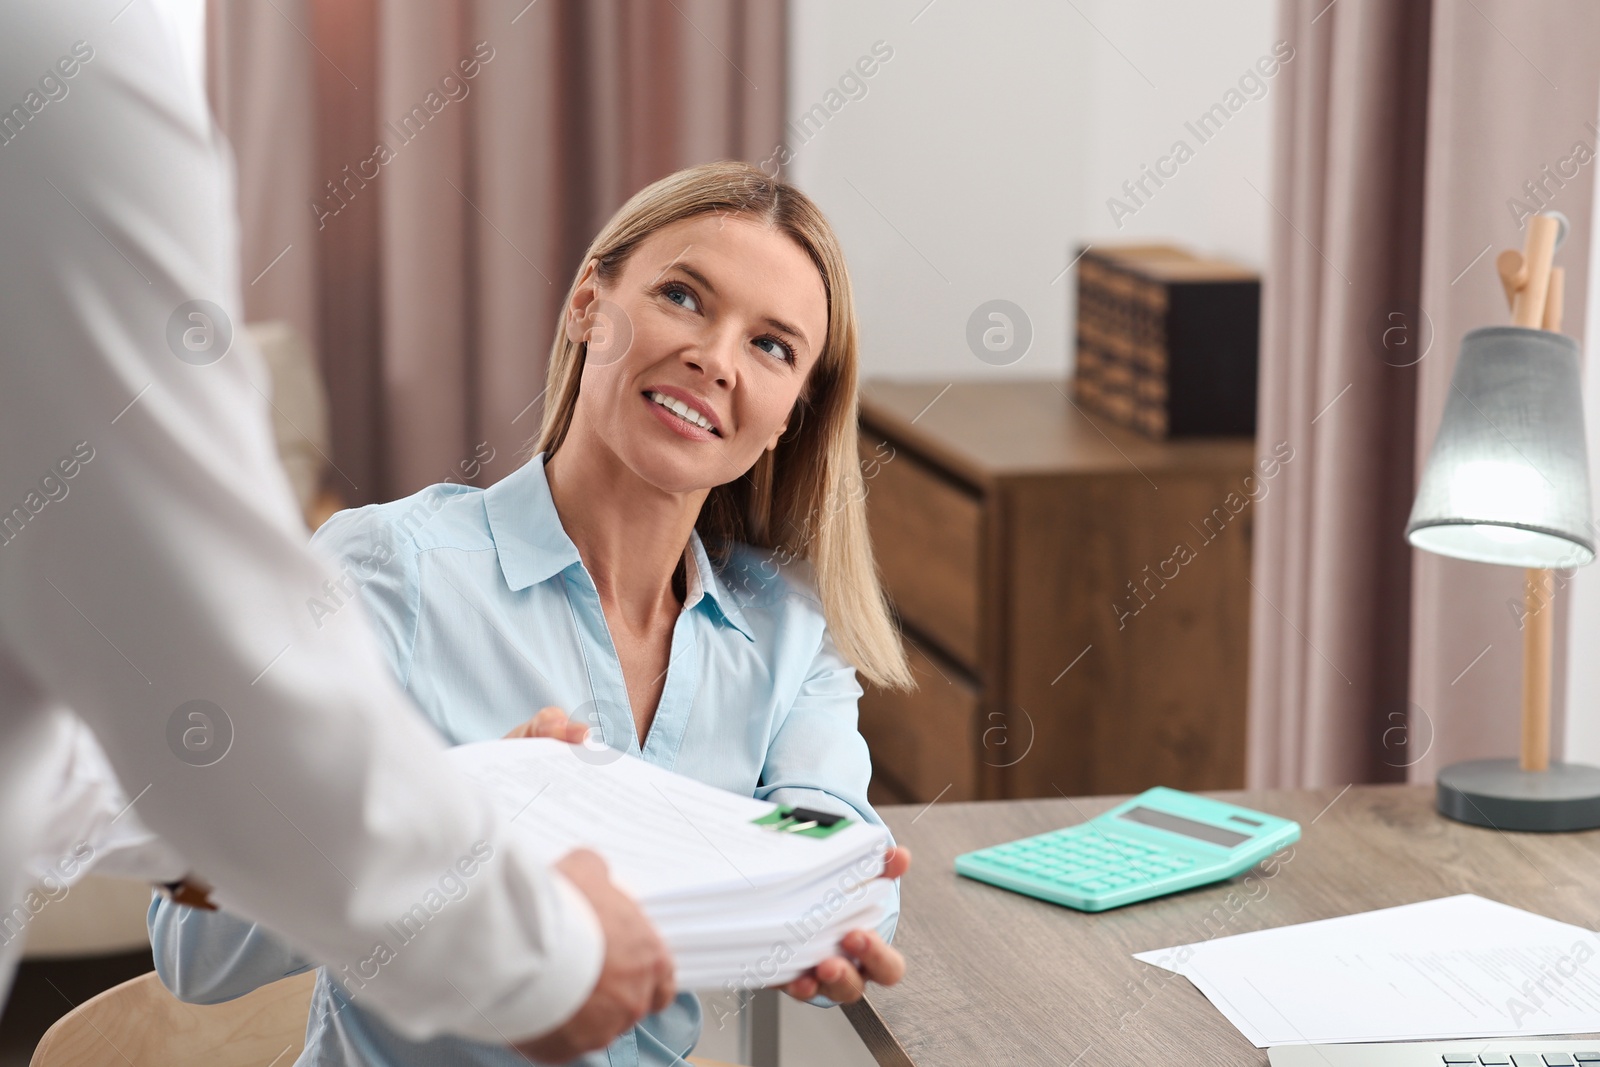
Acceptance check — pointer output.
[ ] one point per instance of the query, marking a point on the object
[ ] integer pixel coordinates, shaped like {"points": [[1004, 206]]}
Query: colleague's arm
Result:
{"points": [[155, 578], [88, 823]]}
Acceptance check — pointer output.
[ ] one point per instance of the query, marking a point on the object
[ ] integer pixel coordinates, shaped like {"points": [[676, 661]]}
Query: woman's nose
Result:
{"points": [[717, 358]]}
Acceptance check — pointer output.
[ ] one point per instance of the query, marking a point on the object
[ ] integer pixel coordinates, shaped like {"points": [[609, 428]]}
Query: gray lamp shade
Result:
{"points": [[1507, 480]]}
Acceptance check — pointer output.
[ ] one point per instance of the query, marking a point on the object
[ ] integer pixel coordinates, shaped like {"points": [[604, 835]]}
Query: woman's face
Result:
{"points": [[719, 315]]}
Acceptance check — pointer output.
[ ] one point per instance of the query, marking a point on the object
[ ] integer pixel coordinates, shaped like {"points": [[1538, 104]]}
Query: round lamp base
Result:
{"points": [[1498, 793]]}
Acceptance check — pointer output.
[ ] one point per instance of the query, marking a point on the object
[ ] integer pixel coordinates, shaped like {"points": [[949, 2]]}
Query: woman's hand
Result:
{"points": [[871, 959], [552, 722]]}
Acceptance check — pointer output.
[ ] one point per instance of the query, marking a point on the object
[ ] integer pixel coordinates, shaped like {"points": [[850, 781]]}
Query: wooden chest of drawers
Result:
{"points": [[1075, 598]]}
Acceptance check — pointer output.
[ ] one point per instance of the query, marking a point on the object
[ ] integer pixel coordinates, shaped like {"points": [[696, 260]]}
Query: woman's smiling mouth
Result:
{"points": [[680, 417]]}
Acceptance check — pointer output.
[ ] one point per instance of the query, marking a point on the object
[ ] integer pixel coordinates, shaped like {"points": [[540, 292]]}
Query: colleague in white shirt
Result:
{"points": [[154, 576]]}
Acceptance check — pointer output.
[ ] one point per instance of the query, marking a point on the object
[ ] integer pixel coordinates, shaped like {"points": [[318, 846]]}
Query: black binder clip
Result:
{"points": [[807, 821]]}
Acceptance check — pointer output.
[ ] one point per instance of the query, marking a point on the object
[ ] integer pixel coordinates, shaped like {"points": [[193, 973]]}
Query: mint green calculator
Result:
{"points": [[1161, 841]]}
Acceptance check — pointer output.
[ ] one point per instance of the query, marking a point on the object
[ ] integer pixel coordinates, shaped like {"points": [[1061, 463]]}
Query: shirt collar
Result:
{"points": [[533, 546], [705, 581], [527, 532]]}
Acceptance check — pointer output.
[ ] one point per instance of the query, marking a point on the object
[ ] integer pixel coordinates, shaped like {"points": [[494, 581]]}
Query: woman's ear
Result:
{"points": [[580, 311]]}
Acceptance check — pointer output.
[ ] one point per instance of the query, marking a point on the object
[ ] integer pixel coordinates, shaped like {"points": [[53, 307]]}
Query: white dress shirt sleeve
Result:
{"points": [[92, 824], [154, 576]]}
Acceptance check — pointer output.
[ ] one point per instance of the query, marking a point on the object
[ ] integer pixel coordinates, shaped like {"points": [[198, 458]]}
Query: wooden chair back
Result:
{"points": [[140, 1024]]}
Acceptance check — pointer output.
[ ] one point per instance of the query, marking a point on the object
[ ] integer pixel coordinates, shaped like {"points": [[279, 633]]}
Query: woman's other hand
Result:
{"points": [[871, 959], [844, 979], [552, 722]]}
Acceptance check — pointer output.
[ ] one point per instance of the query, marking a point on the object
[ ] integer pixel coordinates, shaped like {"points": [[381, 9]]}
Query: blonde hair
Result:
{"points": [[805, 498]]}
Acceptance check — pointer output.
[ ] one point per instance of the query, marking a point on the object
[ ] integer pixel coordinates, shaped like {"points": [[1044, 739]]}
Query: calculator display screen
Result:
{"points": [[1177, 824]]}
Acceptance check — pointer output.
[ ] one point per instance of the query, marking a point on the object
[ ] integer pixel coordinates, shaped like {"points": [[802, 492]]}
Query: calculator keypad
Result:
{"points": [[1087, 862]]}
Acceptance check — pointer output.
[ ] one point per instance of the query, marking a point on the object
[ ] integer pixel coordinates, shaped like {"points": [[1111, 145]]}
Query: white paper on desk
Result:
{"points": [[1457, 967]]}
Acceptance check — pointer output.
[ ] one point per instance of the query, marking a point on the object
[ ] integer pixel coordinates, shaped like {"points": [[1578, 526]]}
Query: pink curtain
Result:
{"points": [[438, 169], [262, 94], [1404, 131], [1329, 625]]}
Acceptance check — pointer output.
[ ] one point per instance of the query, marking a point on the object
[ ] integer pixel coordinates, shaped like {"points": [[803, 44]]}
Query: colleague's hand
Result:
{"points": [[636, 978], [552, 722], [871, 959]]}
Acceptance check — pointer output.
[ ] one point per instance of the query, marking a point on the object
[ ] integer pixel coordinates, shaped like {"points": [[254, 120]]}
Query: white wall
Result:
{"points": [[987, 146], [1580, 731]]}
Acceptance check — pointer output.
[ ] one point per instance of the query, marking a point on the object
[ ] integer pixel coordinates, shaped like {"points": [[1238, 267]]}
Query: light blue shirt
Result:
{"points": [[487, 613]]}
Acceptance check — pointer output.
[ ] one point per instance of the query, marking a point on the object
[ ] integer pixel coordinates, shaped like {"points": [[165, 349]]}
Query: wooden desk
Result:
{"points": [[995, 977]]}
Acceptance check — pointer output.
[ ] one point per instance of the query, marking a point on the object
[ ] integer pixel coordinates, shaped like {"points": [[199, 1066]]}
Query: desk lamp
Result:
{"points": [[1507, 482]]}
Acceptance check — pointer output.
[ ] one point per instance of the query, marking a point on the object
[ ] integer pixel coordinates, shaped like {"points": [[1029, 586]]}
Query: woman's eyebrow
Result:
{"points": [[776, 324]]}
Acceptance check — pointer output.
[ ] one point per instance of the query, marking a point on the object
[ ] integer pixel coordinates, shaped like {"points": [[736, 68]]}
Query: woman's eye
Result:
{"points": [[689, 302], [672, 289], [784, 352]]}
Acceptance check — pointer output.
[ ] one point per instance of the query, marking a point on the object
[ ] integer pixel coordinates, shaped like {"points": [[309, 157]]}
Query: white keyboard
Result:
{"points": [[1511, 1052]]}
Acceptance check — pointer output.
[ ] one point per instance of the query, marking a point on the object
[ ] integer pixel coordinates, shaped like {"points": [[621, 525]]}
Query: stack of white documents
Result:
{"points": [[740, 905]]}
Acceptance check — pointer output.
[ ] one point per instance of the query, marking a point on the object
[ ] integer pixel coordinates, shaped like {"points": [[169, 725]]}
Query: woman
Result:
{"points": [[683, 564]]}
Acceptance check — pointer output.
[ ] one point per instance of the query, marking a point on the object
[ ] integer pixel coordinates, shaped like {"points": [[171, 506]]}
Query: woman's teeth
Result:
{"points": [[682, 410]]}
